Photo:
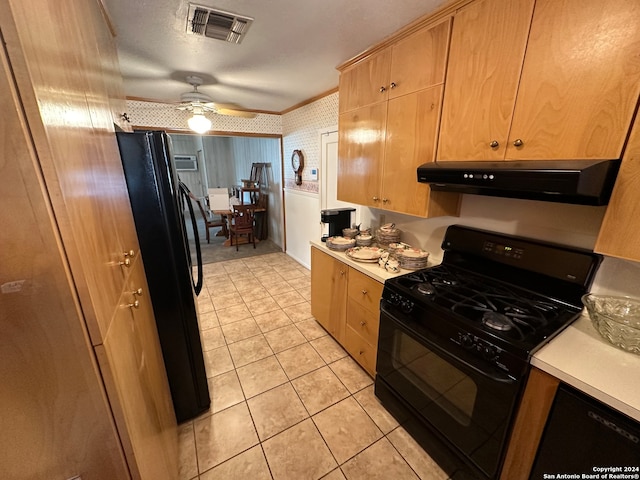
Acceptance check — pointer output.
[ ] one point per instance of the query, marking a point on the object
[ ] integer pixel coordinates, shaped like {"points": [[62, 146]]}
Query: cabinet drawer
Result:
{"points": [[364, 290], [361, 351], [364, 322]]}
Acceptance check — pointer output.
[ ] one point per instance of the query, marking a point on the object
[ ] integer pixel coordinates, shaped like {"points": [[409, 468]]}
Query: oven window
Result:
{"points": [[441, 382]]}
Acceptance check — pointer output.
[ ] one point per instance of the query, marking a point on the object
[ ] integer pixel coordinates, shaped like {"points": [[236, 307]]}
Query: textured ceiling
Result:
{"points": [[288, 56]]}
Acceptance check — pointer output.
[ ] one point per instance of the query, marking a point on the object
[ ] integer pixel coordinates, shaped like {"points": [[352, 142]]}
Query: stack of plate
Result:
{"points": [[387, 234], [397, 248], [413, 259], [364, 240], [340, 243]]}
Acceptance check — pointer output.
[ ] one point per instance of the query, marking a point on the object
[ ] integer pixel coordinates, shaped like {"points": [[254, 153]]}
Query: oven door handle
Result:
{"points": [[496, 376]]}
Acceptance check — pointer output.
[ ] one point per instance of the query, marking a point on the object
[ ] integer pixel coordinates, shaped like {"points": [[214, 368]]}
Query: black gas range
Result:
{"points": [[456, 339]]}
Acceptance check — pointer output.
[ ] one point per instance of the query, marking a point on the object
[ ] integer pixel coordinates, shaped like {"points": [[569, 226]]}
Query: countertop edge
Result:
{"points": [[579, 357], [372, 270]]}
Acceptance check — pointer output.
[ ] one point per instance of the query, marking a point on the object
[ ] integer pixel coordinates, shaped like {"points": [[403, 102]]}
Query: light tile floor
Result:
{"points": [[288, 403]]}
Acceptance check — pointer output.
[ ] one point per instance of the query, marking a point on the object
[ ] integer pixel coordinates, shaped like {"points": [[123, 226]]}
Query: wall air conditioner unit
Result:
{"points": [[188, 163], [225, 26]]}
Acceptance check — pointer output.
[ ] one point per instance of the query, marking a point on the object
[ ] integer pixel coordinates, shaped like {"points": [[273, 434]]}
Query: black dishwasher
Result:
{"points": [[585, 439]]}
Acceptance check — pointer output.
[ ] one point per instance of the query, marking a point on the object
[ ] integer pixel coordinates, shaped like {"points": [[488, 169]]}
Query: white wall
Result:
{"points": [[575, 225], [301, 130]]}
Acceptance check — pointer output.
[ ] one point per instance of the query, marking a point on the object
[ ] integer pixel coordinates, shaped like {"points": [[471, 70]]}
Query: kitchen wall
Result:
{"points": [[575, 225], [301, 130]]}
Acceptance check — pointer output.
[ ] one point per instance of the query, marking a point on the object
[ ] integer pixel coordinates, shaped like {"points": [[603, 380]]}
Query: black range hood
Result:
{"points": [[585, 182]]}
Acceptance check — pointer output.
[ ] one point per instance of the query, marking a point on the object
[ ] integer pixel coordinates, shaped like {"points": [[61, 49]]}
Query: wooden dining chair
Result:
{"points": [[242, 224], [210, 222]]}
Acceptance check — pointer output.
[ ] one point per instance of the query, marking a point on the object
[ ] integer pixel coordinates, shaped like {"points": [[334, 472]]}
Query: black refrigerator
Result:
{"points": [[158, 201]]}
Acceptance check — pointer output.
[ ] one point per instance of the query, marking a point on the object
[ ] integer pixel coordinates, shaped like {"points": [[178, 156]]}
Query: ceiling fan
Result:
{"points": [[200, 103]]}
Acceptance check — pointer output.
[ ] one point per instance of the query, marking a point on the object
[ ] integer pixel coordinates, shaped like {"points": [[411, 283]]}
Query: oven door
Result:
{"points": [[470, 409]]}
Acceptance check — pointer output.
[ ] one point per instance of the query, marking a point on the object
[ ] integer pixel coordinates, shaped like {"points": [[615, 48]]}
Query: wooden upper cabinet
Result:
{"points": [[619, 235], [381, 145], [488, 44], [366, 82], [60, 81], [361, 137], [559, 83], [419, 60], [580, 80], [412, 121]]}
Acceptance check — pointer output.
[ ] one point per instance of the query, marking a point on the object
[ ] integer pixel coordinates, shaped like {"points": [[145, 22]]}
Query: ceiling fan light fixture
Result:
{"points": [[199, 123]]}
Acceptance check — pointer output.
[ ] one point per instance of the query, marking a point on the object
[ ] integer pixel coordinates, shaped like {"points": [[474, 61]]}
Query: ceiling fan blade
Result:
{"points": [[234, 113]]}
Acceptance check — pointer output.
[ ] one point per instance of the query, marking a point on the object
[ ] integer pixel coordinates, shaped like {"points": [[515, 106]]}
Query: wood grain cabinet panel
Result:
{"points": [[56, 420], [558, 81], [346, 303], [329, 279], [381, 145], [580, 80], [75, 249], [365, 83], [487, 49], [619, 233], [131, 362]]}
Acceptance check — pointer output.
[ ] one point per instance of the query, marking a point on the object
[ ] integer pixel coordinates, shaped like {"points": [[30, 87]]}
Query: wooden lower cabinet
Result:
{"points": [[329, 292], [346, 303]]}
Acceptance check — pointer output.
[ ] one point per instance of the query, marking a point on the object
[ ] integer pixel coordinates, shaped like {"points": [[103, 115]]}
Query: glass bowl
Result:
{"points": [[617, 319]]}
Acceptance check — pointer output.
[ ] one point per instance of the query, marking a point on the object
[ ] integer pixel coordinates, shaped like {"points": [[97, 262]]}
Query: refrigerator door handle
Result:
{"points": [[197, 285]]}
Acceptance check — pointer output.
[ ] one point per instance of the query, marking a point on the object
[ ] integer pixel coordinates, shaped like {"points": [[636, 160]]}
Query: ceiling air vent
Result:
{"points": [[217, 24]]}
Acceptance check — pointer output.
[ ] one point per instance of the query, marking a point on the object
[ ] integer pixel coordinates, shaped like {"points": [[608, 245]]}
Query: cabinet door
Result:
{"points": [[329, 279], [365, 82], [487, 50], [56, 421], [619, 235], [54, 58], [580, 80], [419, 60], [412, 123], [361, 138], [131, 363]]}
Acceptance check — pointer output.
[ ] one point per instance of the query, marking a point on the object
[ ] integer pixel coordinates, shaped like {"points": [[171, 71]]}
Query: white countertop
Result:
{"points": [[580, 357], [372, 270]]}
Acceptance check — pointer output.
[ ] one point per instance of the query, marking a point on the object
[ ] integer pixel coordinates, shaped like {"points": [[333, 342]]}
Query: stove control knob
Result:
{"points": [[489, 352], [395, 299], [467, 340], [406, 306]]}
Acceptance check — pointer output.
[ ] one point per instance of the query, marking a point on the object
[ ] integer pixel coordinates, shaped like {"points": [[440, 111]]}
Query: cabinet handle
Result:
{"points": [[126, 262], [517, 142], [341, 272], [130, 253], [135, 304], [494, 144], [362, 324], [125, 116], [375, 199], [364, 292], [383, 89], [385, 200], [137, 292], [393, 85], [361, 352]]}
